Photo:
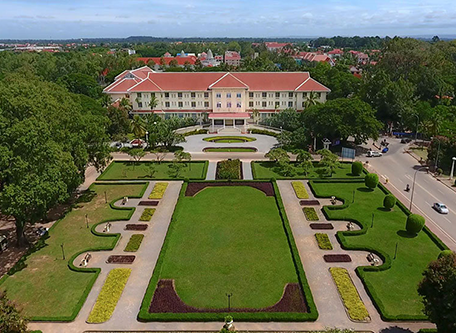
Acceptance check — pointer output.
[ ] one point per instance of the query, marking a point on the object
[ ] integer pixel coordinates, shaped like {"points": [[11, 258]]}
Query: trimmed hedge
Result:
{"points": [[389, 201], [415, 224], [445, 253], [300, 190], [312, 315], [134, 243], [357, 168], [355, 307], [158, 191], [147, 214], [428, 330], [229, 169], [196, 132], [264, 132], [371, 180], [109, 295], [310, 213], [323, 241]]}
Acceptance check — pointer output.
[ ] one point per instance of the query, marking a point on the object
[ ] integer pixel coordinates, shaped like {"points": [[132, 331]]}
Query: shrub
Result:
{"points": [[229, 169], [134, 243], [158, 191], [300, 190], [357, 168], [347, 290], [389, 201], [147, 214], [109, 295], [323, 241], [264, 132], [310, 213], [445, 253], [196, 132], [371, 180], [414, 224]]}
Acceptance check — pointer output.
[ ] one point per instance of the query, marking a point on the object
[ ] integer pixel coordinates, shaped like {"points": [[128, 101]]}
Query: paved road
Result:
{"points": [[400, 168]]}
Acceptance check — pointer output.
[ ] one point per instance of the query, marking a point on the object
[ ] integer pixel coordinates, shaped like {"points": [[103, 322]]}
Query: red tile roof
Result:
{"points": [[228, 81]]}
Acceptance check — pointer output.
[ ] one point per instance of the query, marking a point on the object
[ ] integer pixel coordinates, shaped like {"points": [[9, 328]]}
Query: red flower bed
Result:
{"points": [[309, 203], [148, 203], [167, 300], [136, 227], [321, 226], [194, 188], [120, 259], [337, 258]]}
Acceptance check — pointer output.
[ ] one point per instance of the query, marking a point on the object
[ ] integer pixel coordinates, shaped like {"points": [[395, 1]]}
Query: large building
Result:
{"points": [[229, 99]]}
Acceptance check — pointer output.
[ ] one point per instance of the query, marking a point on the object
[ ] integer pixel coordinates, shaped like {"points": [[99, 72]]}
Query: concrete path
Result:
{"points": [[247, 170], [211, 170]]}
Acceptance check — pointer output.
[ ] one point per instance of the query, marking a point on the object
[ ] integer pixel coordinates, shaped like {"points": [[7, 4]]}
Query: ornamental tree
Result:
{"points": [[438, 289], [371, 180], [11, 319], [414, 224], [389, 201], [356, 168], [278, 155], [329, 161]]}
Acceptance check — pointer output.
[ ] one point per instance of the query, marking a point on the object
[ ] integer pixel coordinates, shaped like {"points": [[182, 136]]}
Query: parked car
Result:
{"points": [[372, 153], [440, 207], [117, 145], [406, 140]]}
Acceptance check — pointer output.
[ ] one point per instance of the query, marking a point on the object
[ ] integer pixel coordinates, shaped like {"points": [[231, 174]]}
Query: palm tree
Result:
{"points": [[125, 105], [256, 116], [311, 99], [153, 101], [137, 126]]}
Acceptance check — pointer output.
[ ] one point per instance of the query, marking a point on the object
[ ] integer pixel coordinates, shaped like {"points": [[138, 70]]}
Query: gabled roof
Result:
{"points": [[228, 81], [145, 85], [122, 85], [312, 85]]}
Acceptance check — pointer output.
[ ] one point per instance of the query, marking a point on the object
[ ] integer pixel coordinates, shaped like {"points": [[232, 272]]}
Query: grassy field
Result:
{"points": [[268, 170], [229, 150], [46, 287], [128, 171], [396, 288], [222, 243]]}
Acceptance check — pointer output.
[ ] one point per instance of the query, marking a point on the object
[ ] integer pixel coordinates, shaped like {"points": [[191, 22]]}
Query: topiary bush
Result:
{"points": [[445, 253], [414, 224], [371, 180], [389, 201], [357, 168]]}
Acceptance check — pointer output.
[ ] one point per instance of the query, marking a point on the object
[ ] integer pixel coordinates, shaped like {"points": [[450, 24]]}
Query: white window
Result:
{"points": [[193, 95], [250, 94], [264, 95], [218, 95], [166, 95], [290, 104], [180, 104], [238, 104], [166, 104], [219, 105], [206, 104], [228, 95], [179, 95], [139, 95], [277, 104], [277, 95], [238, 95], [263, 104], [139, 104], [250, 104], [290, 95], [193, 104], [228, 105], [206, 95]]}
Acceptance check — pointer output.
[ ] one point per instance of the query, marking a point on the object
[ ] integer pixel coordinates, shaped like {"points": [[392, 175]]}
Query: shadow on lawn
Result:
{"points": [[364, 189], [405, 234], [396, 329], [21, 263]]}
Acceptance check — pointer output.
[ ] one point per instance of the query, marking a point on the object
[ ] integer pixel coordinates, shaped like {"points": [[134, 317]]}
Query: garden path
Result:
{"points": [[247, 170]]}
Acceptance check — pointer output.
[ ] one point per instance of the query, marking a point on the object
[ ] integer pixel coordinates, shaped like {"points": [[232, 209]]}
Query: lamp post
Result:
{"points": [[452, 168], [437, 157], [63, 251], [413, 185], [147, 137], [417, 123], [229, 301]]}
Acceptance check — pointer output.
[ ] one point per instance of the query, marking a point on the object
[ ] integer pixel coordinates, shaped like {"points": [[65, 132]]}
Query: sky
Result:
{"points": [[61, 19]]}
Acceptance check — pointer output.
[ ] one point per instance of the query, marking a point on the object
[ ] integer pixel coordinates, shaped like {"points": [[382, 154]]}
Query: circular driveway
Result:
{"points": [[196, 144]]}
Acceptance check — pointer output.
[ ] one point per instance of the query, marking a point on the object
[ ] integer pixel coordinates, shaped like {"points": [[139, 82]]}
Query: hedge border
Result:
{"points": [[387, 261], [94, 270], [255, 176], [100, 177], [312, 315]]}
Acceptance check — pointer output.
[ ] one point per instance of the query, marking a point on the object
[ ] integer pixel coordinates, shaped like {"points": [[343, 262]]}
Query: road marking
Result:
{"points": [[427, 203], [446, 218]]}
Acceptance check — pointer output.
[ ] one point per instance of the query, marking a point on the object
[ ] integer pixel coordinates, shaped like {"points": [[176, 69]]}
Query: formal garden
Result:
{"points": [[220, 234]]}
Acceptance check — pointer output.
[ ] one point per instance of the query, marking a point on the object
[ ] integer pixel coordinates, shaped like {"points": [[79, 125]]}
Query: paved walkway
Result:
{"points": [[247, 170], [211, 170]]}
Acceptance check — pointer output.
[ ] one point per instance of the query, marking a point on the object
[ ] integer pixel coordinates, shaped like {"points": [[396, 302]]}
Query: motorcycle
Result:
{"points": [[407, 188]]}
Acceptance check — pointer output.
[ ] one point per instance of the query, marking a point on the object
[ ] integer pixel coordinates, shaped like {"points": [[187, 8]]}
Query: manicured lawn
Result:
{"points": [[47, 287], [395, 288], [118, 170], [229, 150], [228, 240], [268, 170], [229, 139]]}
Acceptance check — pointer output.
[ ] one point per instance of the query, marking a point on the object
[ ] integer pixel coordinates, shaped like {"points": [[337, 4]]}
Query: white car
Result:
{"points": [[373, 154], [440, 207]]}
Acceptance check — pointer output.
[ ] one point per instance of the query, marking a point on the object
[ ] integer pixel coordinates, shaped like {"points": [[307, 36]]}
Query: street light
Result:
{"points": [[452, 168], [413, 185], [437, 157], [229, 301], [417, 123]]}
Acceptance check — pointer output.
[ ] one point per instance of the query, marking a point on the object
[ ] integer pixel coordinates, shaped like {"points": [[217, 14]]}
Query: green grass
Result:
{"points": [[46, 287], [310, 213], [323, 241], [420, 152], [394, 289], [118, 170], [147, 214], [244, 252], [355, 307], [229, 139], [229, 150], [300, 190], [268, 170], [109, 295], [134, 243]]}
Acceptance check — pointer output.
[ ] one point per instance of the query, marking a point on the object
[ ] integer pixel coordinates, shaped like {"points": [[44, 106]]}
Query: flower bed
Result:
{"points": [[323, 241], [229, 150], [120, 259], [229, 139], [136, 227], [194, 188], [300, 190], [147, 214], [229, 169], [353, 304], [309, 203], [158, 190], [310, 213], [337, 258], [134, 243], [321, 226], [109, 295], [153, 203]]}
